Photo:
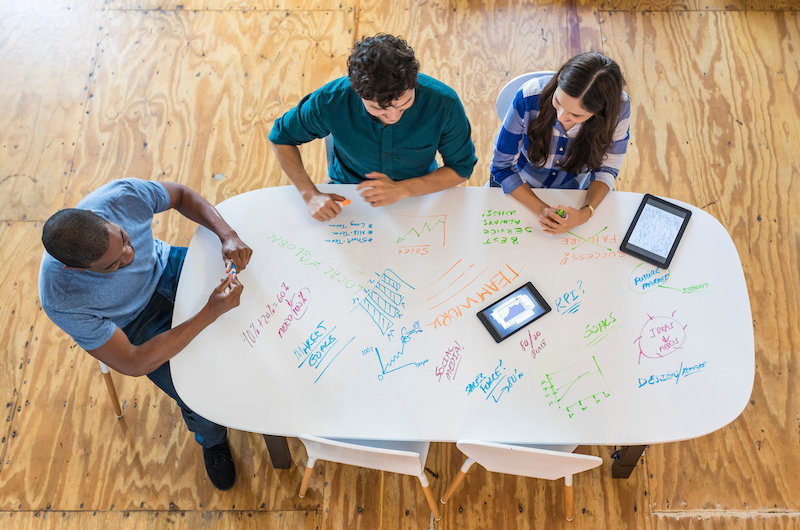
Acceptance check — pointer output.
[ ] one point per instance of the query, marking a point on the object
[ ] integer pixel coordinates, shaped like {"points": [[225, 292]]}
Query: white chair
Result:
{"points": [[328, 149], [507, 93], [551, 463], [112, 391], [407, 458]]}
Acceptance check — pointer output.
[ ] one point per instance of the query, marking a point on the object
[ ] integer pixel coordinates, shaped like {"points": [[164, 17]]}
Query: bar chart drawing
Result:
{"points": [[576, 387]]}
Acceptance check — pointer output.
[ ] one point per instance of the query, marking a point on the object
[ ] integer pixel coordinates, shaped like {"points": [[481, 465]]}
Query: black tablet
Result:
{"points": [[656, 231], [513, 312]]}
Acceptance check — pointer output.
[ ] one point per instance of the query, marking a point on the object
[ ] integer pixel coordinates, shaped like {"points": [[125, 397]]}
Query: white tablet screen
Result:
{"points": [[656, 230]]}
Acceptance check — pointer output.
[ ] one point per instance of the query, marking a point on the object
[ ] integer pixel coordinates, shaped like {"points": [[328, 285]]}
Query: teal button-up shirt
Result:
{"points": [[362, 144]]}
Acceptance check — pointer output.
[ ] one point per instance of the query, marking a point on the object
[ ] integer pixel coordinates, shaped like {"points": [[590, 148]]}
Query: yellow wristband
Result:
{"points": [[591, 210]]}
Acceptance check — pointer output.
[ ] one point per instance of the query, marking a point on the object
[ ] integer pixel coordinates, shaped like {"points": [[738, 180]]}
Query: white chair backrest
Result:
{"points": [[507, 93], [527, 461], [407, 458], [328, 149]]}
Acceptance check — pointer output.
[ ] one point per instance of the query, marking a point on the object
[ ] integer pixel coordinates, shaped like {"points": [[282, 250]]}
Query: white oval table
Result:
{"points": [[365, 327]]}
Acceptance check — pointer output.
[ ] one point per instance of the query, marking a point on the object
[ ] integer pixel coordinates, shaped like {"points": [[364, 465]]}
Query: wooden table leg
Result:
{"points": [[625, 459], [278, 448]]}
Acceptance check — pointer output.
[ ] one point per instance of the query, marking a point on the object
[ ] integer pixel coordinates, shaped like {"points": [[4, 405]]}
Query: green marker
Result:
{"points": [[562, 213]]}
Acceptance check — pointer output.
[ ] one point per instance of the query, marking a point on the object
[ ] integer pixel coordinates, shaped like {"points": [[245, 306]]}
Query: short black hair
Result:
{"points": [[76, 238], [382, 68]]}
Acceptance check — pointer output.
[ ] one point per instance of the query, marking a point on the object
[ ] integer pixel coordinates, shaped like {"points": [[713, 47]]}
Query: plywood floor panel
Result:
{"points": [[231, 5], [730, 521], [48, 55], [202, 99], [724, 74], [173, 520], [477, 47], [69, 452]]}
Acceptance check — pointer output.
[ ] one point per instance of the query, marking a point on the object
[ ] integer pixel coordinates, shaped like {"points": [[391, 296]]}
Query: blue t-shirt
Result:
{"points": [[90, 305]]}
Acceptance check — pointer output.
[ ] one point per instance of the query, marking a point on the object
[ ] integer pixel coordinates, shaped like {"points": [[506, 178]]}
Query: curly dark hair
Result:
{"points": [[597, 81], [76, 238], [382, 68]]}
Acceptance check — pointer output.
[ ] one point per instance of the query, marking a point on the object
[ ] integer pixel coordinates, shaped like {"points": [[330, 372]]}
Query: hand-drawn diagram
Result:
{"points": [[576, 387], [425, 230], [389, 366], [384, 303], [660, 336]]}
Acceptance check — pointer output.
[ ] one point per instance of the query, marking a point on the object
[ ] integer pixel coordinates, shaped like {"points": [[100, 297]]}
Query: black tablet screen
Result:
{"points": [[513, 312], [656, 230]]}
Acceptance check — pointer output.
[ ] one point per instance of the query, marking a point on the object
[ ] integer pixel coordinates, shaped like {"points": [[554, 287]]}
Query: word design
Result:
{"points": [[601, 330], [317, 347], [304, 256], [384, 301], [505, 224], [388, 366], [576, 387], [532, 344], [669, 376], [595, 255], [253, 332], [354, 232], [496, 383], [660, 336], [450, 363], [499, 280], [570, 302], [646, 278]]}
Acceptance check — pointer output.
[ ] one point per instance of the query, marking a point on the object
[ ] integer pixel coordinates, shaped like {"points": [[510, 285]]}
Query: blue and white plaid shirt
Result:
{"points": [[511, 167]]}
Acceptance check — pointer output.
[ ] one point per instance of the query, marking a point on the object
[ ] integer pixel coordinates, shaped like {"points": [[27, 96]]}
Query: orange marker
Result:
{"points": [[345, 202]]}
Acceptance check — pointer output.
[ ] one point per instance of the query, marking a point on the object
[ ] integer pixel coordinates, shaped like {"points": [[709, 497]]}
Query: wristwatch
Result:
{"points": [[591, 210]]}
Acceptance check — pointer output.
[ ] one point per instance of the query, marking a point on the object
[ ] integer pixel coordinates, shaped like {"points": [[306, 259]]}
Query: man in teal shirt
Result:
{"points": [[387, 121]]}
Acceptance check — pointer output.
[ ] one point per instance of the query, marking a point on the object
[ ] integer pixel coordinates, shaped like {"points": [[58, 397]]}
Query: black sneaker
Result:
{"points": [[219, 466]]}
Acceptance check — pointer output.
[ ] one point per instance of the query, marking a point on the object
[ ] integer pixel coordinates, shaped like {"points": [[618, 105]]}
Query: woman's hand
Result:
{"points": [[556, 224]]}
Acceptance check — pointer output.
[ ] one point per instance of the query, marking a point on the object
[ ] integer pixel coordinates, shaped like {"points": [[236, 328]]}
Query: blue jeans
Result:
{"points": [[157, 318]]}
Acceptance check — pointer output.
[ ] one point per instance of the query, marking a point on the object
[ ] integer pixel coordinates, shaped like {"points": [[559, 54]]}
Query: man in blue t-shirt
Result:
{"points": [[111, 286], [387, 122]]}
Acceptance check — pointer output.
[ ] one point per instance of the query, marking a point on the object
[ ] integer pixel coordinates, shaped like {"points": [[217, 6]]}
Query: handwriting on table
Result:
{"points": [[594, 255], [496, 383], [298, 304], [645, 278], [304, 256], [253, 332], [570, 302], [496, 282], [319, 346], [670, 376], [504, 226], [353, 232], [597, 332], [660, 336], [532, 343], [450, 363]]}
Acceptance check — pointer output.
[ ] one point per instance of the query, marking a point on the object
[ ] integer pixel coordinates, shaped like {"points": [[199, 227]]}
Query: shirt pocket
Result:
{"points": [[415, 160]]}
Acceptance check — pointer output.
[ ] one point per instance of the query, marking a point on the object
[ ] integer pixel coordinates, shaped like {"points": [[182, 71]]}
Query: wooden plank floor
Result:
{"points": [[185, 89]]}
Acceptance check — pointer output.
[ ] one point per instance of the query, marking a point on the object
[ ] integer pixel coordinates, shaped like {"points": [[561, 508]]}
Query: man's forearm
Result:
{"points": [[292, 164], [438, 180], [195, 207]]}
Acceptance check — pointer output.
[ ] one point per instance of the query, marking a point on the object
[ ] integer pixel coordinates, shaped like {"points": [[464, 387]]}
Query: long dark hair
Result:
{"points": [[597, 82]]}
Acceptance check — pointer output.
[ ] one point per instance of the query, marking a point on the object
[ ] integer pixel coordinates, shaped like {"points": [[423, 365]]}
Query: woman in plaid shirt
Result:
{"points": [[569, 130]]}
